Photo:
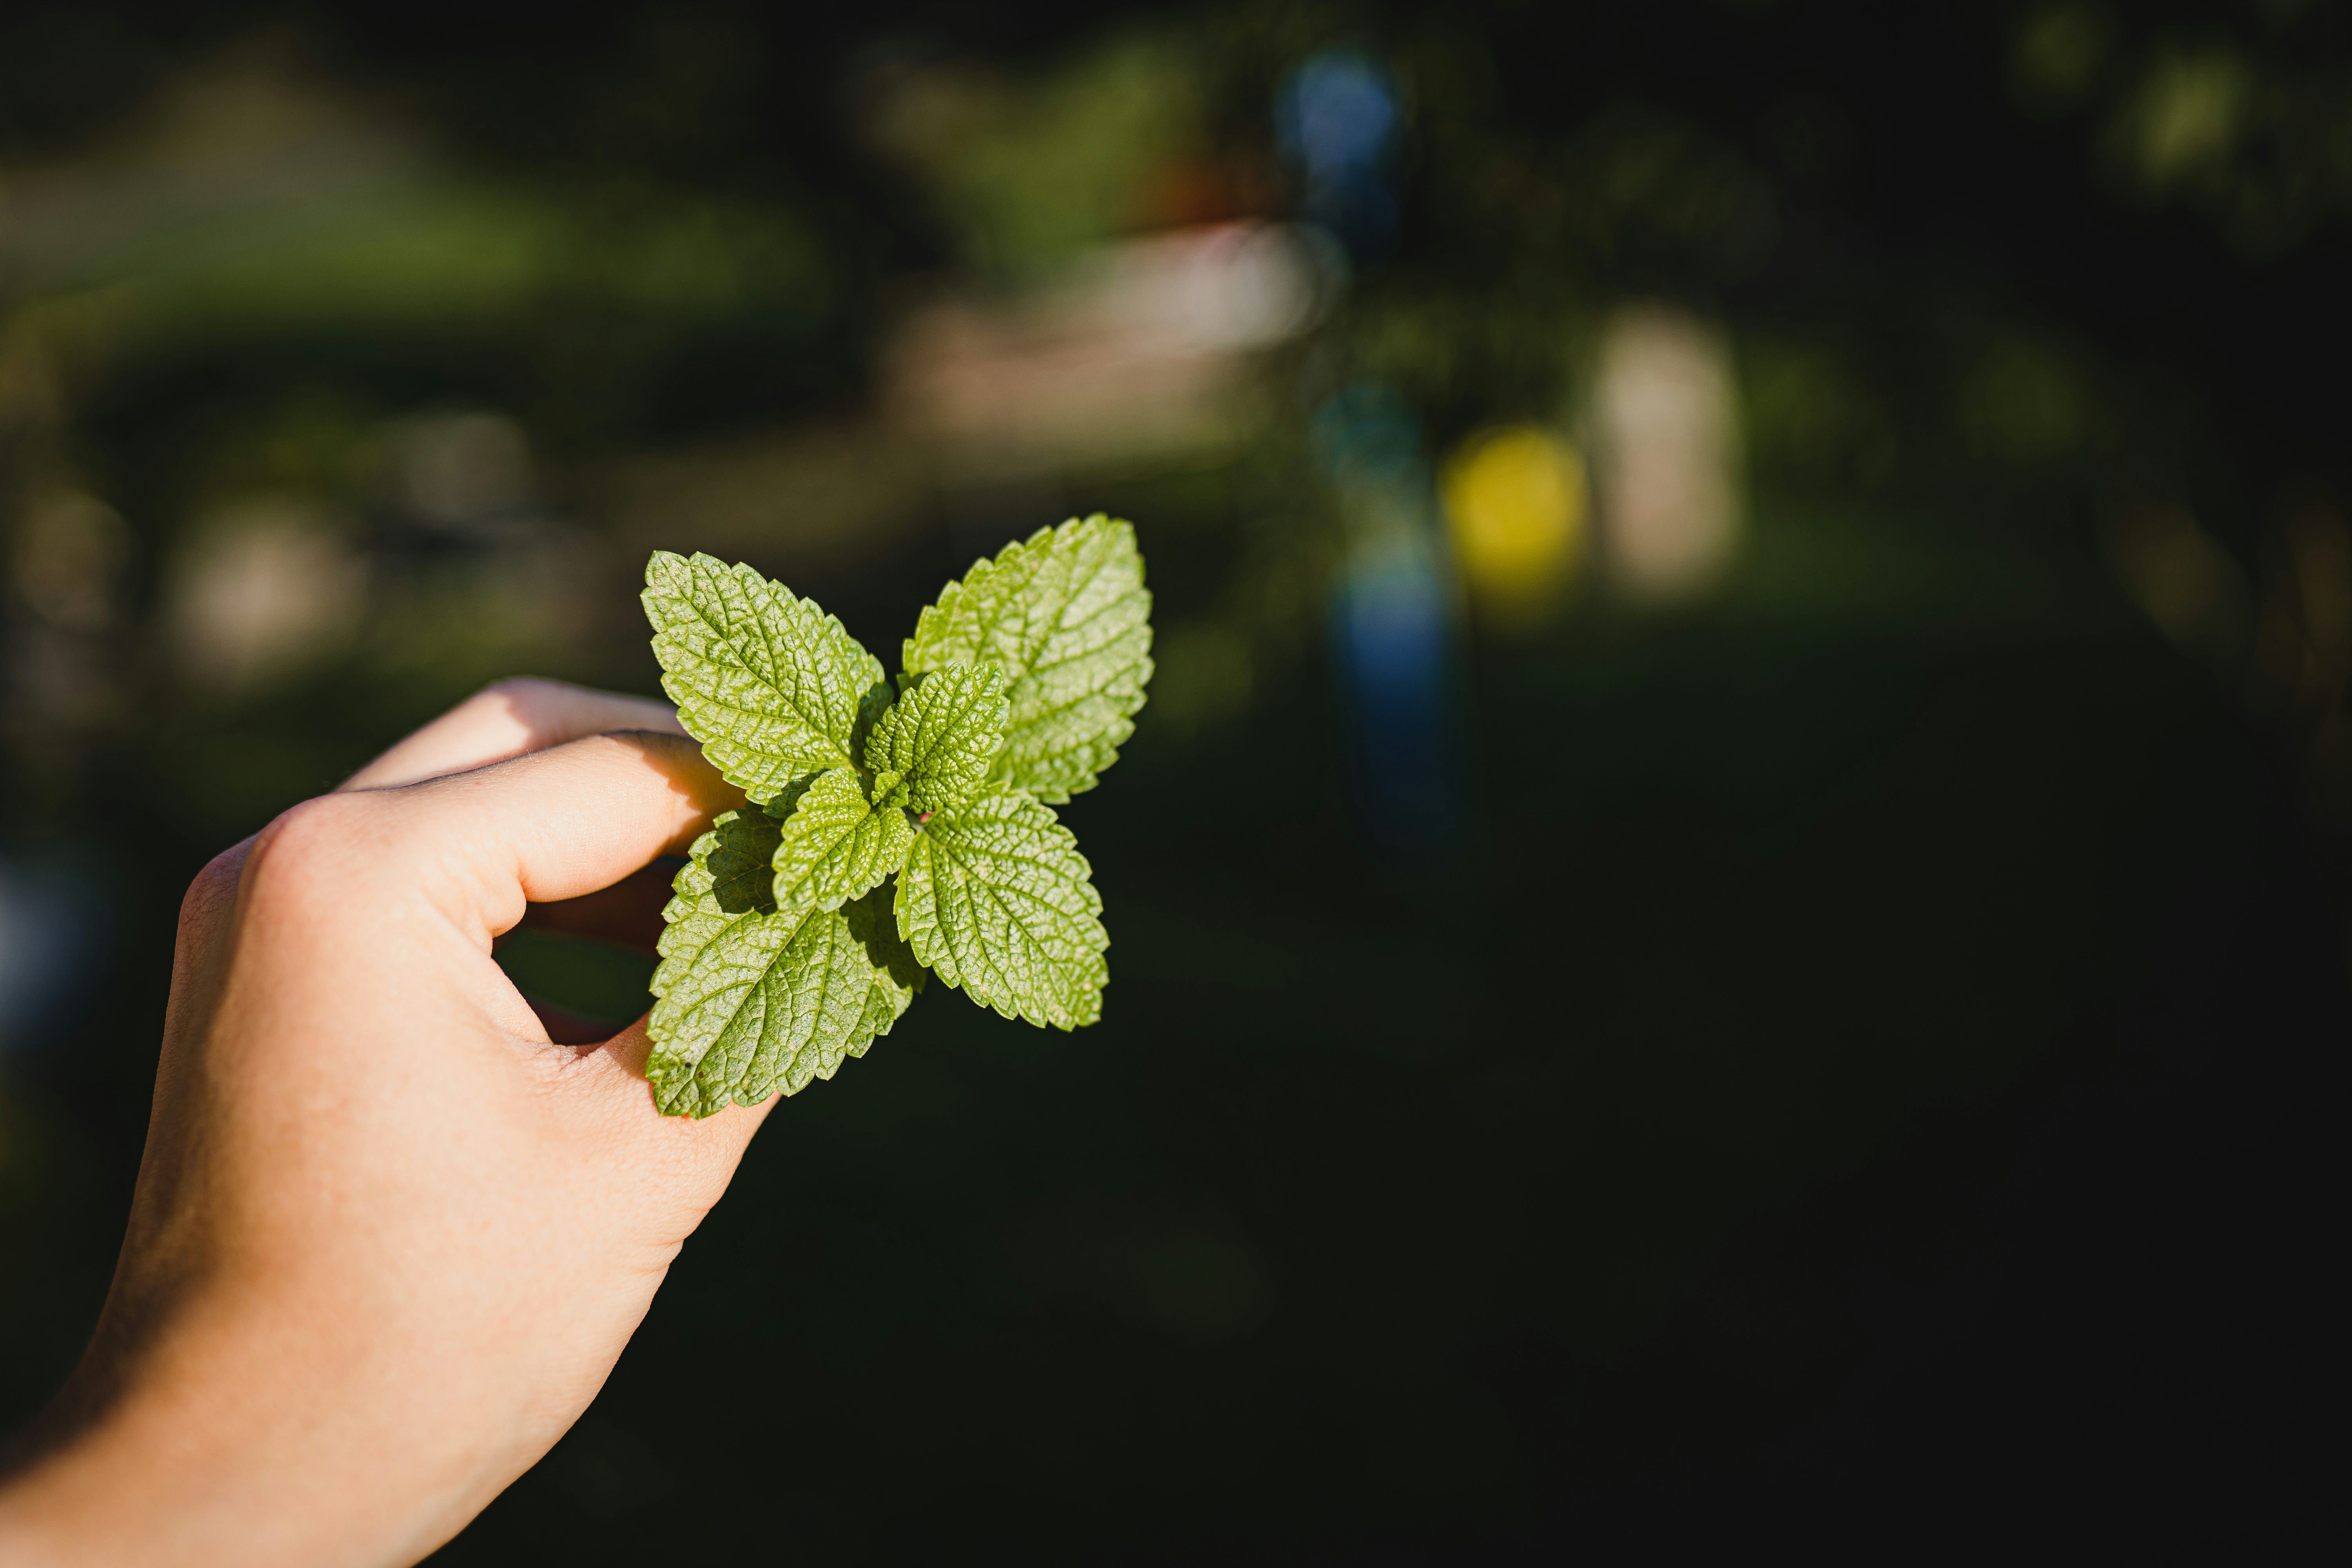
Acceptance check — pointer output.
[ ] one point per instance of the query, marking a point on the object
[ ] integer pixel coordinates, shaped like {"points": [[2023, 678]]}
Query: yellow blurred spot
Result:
{"points": [[1515, 500]]}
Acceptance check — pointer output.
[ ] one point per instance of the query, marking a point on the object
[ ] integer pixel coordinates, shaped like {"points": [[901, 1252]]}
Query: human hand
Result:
{"points": [[387, 1239]]}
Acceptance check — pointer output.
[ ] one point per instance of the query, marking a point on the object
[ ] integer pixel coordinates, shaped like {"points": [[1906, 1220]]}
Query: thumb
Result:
{"points": [[553, 825], [561, 823], [701, 1153]]}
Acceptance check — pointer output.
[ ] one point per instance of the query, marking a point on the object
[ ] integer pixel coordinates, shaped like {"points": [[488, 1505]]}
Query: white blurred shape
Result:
{"points": [[459, 468], [1231, 287], [269, 587], [1137, 350], [70, 551], [1667, 424]]}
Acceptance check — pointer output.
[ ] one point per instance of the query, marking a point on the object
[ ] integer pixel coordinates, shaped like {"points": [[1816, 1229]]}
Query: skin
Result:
{"points": [[388, 1239]]}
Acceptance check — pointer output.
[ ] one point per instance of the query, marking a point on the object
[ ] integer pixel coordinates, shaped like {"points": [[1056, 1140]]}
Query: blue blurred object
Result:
{"points": [[1392, 621], [1370, 438], [1338, 119], [49, 932]]}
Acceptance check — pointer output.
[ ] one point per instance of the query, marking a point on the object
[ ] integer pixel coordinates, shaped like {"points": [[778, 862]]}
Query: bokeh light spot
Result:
{"points": [[1516, 502]]}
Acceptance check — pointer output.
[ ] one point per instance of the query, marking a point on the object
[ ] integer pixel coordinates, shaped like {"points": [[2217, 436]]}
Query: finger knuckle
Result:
{"points": [[314, 841], [216, 885]]}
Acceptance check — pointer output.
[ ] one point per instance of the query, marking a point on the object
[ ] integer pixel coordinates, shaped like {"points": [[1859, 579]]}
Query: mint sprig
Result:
{"points": [[892, 836]]}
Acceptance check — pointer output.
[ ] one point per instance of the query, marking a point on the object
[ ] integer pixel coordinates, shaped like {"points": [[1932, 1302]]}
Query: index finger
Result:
{"points": [[511, 718]]}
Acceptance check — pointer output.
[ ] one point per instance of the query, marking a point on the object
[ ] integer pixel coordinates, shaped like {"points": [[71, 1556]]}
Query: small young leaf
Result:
{"points": [[940, 736], [750, 1001], [1065, 616], [836, 843], [996, 899], [771, 685]]}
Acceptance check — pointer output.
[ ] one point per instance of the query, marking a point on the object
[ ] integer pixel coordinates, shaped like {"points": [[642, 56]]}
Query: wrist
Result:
{"points": [[223, 1448]]}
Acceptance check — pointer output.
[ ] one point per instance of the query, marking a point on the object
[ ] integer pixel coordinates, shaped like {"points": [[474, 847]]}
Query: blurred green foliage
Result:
{"points": [[1032, 170]]}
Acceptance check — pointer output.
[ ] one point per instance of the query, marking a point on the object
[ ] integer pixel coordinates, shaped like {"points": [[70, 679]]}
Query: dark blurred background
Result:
{"points": [[1729, 907]]}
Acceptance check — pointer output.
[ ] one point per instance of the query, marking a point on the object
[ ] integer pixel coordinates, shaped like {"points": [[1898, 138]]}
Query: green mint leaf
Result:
{"points": [[787, 800], [836, 843], [750, 1002], [1065, 616], [897, 974], [996, 899], [941, 735], [771, 685], [733, 865]]}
